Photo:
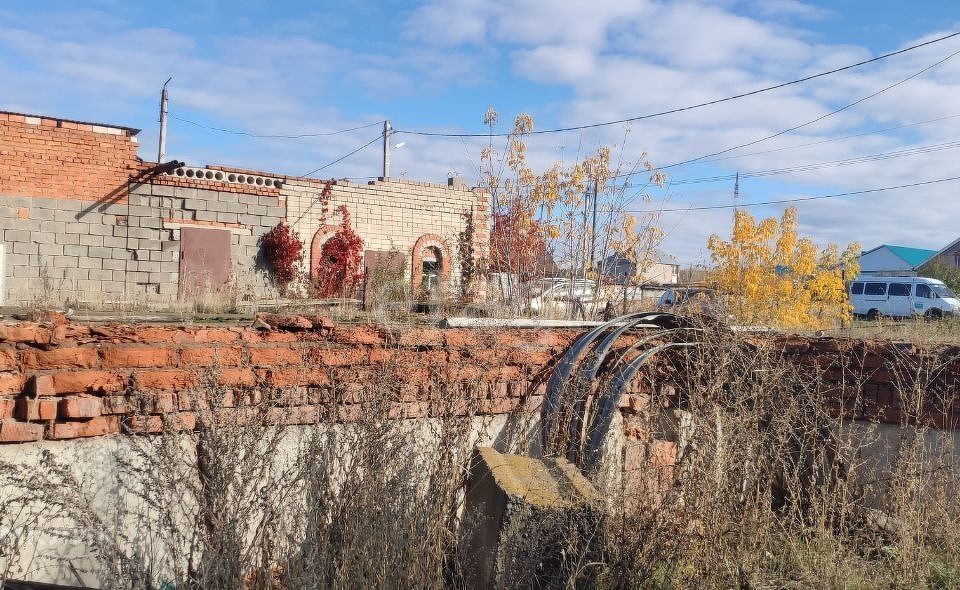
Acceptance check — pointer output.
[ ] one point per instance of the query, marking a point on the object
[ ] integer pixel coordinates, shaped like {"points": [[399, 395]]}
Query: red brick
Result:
{"points": [[99, 426], [237, 378], [275, 356], [157, 424], [81, 407], [8, 358], [167, 379], [122, 356], [12, 431], [34, 409], [60, 358], [116, 404], [85, 382], [226, 356], [7, 407], [162, 335], [421, 337], [11, 383], [26, 333], [461, 338], [216, 335], [335, 357], [367, 334]]}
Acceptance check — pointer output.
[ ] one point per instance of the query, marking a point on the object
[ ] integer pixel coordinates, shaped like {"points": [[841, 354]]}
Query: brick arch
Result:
{"points": [[416, 267], [316, 246]]}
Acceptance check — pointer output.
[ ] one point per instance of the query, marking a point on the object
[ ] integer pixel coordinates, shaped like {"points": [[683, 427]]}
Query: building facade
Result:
{"points": [[84, 219]]}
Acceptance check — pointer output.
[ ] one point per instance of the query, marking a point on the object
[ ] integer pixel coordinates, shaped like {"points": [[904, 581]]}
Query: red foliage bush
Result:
{"points": [[341, 266], [283, 251]]}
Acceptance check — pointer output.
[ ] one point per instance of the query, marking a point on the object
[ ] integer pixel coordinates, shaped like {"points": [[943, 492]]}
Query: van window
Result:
{"points": [[924, 291], [875, 289], [899, 289], [856, 289]]}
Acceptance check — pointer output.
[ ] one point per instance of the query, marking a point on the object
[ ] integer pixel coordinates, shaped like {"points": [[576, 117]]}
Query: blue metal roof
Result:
{"points": [[913, 256]]}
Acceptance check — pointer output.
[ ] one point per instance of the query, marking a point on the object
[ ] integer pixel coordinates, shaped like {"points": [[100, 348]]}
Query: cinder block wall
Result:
{"points": [[392, 215]]}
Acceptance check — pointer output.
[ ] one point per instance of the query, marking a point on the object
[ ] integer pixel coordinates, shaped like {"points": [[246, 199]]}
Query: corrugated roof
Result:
{"points": [[914, 256]]}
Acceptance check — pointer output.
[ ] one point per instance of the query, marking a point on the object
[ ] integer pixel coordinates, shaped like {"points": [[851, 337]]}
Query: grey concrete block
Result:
{"points": [[113, 242], [26, 271], [257, 209], [142, 232], [62, 215], [25, 248], [101, 229], [66, 262], [67, 238], [276, 211], [54, 227], [161, 190], [91, 240], [236, 207], [114, 264], [16, 235], [99, 252], [43, 214], [87, 262], [148, 266], [206, 216], [149, 245], [142, 211], [50, 250], [17, 259], [226, 217], [151, 222], [75, 250], [101, 275], [41, 237], [170, 267], [268, 201], [194, 204], [119, 254], [76, 227]]}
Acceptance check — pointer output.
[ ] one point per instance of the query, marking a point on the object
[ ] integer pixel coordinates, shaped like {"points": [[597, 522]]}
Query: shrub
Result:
{"points": [[283, 251], [341, 265]]}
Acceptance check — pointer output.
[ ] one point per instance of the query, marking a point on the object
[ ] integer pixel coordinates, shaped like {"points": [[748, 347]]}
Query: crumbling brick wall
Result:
{"points": [[67, 380]]}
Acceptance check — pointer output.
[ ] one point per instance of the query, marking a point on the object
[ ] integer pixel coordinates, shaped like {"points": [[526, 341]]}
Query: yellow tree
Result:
{"points": [[768, 274]]}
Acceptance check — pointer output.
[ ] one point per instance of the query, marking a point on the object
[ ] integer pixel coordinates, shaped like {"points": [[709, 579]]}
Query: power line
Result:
{"points": [[345, 156], [274, 136], [924, 149], [694, 106], [835, 139], [817, 119], [797, 199]]}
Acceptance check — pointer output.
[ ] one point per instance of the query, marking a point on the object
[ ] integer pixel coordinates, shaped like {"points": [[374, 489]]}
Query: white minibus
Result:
{"points": [[901, 297]]}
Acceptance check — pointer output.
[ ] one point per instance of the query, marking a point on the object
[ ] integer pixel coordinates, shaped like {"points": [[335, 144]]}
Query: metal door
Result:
{"points": [[204, 260]]}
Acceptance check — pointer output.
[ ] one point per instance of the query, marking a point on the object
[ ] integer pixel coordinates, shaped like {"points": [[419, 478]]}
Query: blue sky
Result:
{"points": [[295, 67]]}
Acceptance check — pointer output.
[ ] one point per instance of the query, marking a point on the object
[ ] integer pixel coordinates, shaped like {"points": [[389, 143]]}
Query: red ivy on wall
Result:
{"points": [[283, 251], [341, 266]]}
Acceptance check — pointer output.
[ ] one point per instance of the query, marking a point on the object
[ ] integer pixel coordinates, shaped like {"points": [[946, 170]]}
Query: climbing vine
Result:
{"points": [[340, 268], [283, 252]]}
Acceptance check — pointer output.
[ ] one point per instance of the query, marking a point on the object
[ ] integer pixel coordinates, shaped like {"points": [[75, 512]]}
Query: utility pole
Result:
{"points": [[162, 148], [593, 225], [736, 192], [386, 149]]}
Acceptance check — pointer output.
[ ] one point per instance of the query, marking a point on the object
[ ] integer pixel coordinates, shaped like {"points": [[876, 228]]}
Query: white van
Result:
{"points": [[902, 297]]}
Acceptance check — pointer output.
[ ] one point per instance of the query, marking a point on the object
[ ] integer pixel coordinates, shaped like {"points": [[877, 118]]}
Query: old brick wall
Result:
{"points": [[61, 159], [66, 380], [394, 215]]}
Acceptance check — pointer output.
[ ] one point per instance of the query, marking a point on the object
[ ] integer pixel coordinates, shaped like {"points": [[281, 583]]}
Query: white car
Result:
{"points": [[902, 297]]}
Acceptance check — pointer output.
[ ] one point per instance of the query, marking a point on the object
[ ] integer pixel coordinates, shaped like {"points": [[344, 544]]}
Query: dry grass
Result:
{"points": [[768, 492]]}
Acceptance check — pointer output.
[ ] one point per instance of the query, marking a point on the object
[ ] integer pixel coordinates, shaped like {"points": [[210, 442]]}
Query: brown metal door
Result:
{"points": [[204, 260]]}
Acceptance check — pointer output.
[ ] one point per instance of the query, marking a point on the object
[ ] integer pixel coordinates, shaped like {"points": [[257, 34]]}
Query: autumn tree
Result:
{"points": [[340, 268], [571, 214], [768, 274]]}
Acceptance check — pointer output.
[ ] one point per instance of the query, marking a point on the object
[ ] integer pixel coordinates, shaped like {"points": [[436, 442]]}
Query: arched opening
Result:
{"points": [[430, 267]]}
